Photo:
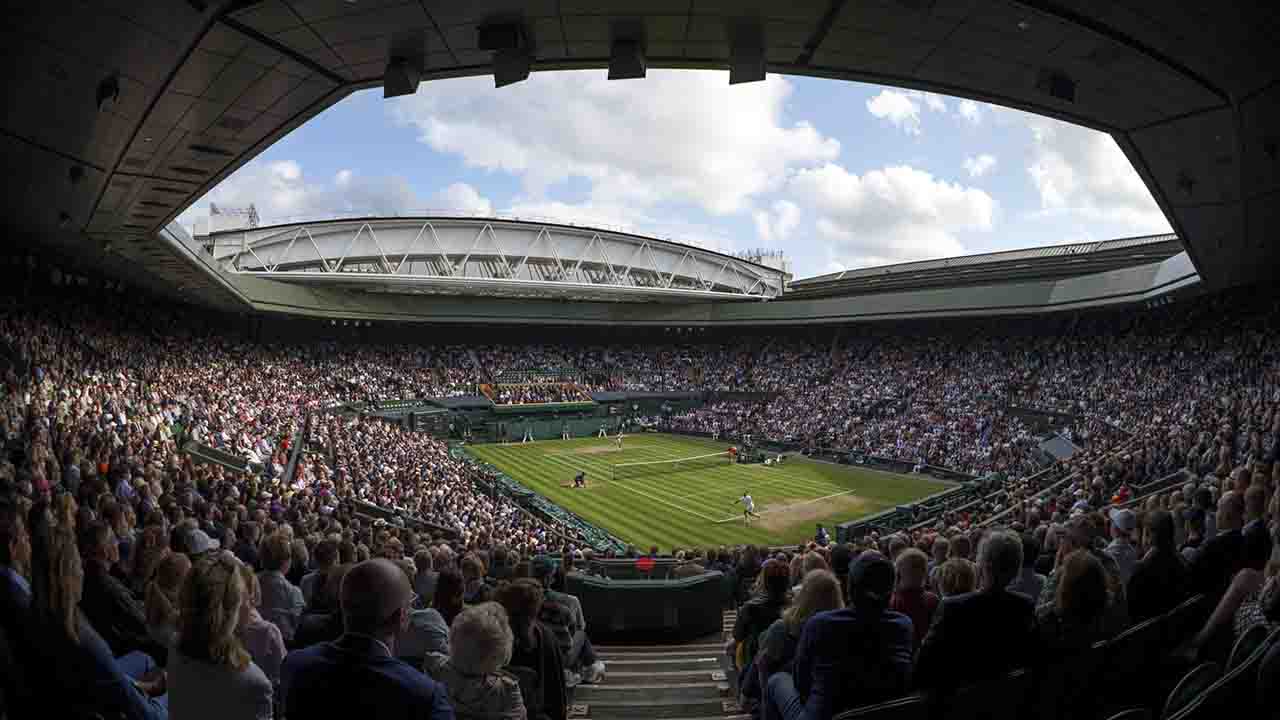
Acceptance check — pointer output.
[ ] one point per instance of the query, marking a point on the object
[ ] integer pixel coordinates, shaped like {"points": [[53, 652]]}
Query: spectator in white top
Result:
{"points": [[282, 602], [1121, 549]]}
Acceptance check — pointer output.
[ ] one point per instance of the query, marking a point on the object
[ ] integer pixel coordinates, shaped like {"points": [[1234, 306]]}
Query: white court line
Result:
{"points": [[787, 507], [664, 502]]}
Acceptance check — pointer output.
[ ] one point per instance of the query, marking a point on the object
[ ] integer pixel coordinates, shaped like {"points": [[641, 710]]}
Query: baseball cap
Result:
{"points": [[199, 542], [1124, 519]]}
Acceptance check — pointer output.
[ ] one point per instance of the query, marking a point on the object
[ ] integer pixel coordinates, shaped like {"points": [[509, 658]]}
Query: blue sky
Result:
{"points": [[836, 174]]}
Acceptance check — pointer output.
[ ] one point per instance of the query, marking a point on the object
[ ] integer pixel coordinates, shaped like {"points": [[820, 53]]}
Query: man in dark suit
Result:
{"points": [[978, 635], [107, 602], [1220, 557], [358, 674], [1257, 539], [1161, 579]]}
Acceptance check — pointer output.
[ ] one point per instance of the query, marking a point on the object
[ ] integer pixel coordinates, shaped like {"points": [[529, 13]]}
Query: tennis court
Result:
{"points": [[693, 503]]}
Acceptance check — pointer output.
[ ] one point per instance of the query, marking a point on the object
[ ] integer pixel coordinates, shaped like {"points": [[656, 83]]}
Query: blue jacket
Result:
{"points": [[977, 636], [353, 677], [846, 659]]}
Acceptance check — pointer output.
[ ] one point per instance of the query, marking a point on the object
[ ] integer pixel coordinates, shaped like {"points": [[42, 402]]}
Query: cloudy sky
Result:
{"points": [[836, 174]]}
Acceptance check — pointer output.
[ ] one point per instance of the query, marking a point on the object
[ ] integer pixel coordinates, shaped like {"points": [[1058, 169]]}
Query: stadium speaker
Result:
{"points": [[511, 66], [746, 51], [627, 59], [400, 78]]}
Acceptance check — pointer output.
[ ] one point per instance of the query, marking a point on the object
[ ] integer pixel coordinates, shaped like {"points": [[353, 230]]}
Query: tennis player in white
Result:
{"points": [[748, 507], [618, 439]]}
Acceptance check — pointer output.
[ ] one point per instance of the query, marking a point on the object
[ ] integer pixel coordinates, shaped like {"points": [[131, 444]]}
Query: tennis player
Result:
{"points": [[748, 507]]}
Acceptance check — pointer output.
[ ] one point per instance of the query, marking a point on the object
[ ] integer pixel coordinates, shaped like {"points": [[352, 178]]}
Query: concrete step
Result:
{"points": [[623, 677], [607, 709], [663, 694], [670, 654], [714, 648], [660, 664]]}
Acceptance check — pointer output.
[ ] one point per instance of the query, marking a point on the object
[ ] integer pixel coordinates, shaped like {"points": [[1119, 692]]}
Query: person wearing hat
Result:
{"points": [[1121, 549], [979, 635], [846, 658]]}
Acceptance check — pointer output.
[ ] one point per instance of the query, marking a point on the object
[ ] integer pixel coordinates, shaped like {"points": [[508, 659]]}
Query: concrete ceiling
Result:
{"points": [[200, 87]]}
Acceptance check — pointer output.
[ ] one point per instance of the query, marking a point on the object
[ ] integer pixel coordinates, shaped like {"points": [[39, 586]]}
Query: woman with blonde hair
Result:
{"points": [[819, 592], [211, 675], [162, 600], [260, 637], [480, 644], [150, 549], [78, 674]]}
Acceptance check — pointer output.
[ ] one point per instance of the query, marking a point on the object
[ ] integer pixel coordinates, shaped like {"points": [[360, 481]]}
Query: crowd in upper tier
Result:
{"points": [[165, 585]]}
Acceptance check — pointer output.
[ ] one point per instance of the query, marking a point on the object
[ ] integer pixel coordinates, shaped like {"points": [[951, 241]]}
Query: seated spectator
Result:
{"points": [[78, 674], [162, 600], [476, 588], [1253, 598], [326, 558], [1256, 534], [1121, 549], [1029, 582], [980, 634], [480, 644], [449, 595], [152, 548], [261, 638], [107, 602], [300, 558], [956, 576], [211, 675], [819, 592], [909, 597], [1222, 555], [535, 659], [15, 563], [249, 537], [1161, 580], [424, 581], [323, 622], [1077, 617], [563, 614], [850, 657], [358, 674], [761, 611], [282, 602]]}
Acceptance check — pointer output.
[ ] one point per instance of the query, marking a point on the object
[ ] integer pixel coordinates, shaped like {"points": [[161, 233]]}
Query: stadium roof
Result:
{"points": [[120, 115], [1039, 263]]}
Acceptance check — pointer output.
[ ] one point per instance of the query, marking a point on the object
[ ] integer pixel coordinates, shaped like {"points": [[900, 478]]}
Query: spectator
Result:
{"points": [[249, 537], [577, 651], [761, 611], [819, 592], [424, 582], [326, 559], [449, 594], [1077, 617], [211, 675], [1121, 549], [261, 638], [909, 597], [107, 602], [1253, 598], [1256, 535], [981, 634], [480, 644], [358, 675], [282, 602], [535, 659], [163, 602], [88, 678], [1161, 580], [476, 588], [957, 576], [323, 622], [845, 658], [1029, 582], [1223, 554], [15, 563]]}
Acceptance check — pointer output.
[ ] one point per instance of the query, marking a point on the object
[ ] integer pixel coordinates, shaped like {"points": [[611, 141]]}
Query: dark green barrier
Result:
{"points": [[651, 610], [517, 408]]}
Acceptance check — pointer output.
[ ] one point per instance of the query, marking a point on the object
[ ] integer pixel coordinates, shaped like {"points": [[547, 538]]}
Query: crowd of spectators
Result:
{"points": [[538, 393], [163, 585]]}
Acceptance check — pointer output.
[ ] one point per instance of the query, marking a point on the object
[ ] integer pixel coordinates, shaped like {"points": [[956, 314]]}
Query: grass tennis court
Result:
{"points": [[695, 507]]}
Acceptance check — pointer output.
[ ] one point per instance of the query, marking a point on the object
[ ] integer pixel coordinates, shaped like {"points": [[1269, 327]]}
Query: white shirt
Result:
{"points": [[747, 502]]}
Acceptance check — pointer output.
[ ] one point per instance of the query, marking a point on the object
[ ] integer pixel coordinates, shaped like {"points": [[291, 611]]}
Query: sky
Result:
{"points": [[835, 174]]}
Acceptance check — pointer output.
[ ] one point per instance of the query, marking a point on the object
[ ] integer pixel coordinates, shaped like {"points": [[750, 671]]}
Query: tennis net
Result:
{"points": [[626, 471]]}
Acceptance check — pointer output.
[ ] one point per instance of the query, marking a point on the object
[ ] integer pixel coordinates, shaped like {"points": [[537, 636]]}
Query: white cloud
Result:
{"points": [[970, 111], [934, 102], [898, 108], [461, 197], [678, 136], [1082, 172], [778, 224], [281, 191], [894, 214], [980, 165]]}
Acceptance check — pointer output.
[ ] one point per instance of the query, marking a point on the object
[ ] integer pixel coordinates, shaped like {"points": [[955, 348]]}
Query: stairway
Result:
{"points": [[681, 682]]}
